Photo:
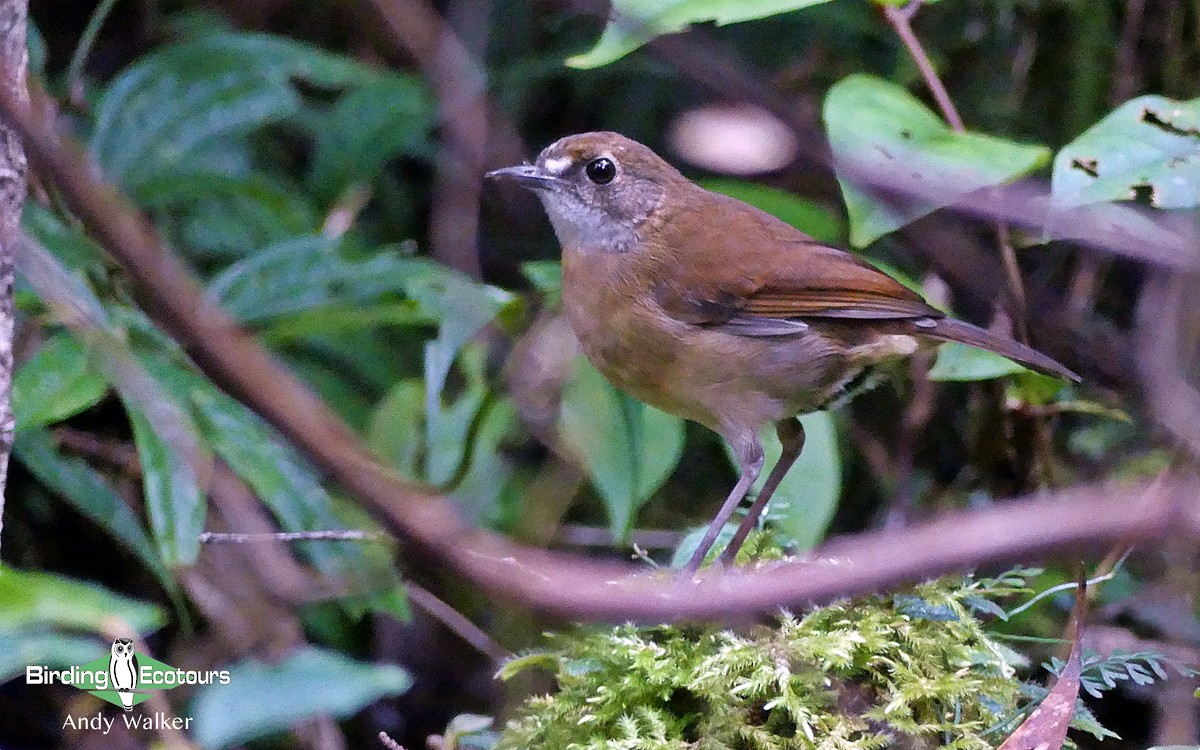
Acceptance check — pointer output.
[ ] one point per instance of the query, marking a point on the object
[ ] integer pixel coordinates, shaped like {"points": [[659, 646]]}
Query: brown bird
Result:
{"points": [[710, 309]]}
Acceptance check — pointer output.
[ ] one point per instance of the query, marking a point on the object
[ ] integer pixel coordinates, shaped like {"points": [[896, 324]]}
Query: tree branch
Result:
{"points": [[13, 63]]}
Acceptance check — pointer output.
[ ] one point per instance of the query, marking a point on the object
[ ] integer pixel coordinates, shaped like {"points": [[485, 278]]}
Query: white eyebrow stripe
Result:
{"points": [[558, 165]]}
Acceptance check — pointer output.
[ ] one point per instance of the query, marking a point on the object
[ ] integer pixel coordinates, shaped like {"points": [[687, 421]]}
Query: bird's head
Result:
{"points": [[598, 188]]}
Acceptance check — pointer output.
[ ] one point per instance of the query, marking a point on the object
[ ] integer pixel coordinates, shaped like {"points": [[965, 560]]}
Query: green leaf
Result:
{"points": [[87, 490], [877, 127], [447, 425], [629, 448], [176, 107], [36, 45], [485, 488], [395, 431], [31, 599], [805, 215], [635, 22], [546, 277], [282, 480], [463, 308], [1146, 149], [22, 647], [368, 126], [186, 105], [227, 214], [305, 274], [263, 699], [174, 502], [56, 383], [73, 248], [957, 361], [804, 503]]}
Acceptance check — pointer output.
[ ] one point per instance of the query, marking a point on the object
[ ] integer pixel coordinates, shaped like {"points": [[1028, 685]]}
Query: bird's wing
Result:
{"points": [[757, 276]]}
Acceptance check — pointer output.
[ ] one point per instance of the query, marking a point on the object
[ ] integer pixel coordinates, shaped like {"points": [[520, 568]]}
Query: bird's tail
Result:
{"points": [[949, 329]]}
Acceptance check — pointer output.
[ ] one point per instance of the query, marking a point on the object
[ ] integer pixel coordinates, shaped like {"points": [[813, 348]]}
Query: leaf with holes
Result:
{"points": [[878, 129], [1148, 151]]}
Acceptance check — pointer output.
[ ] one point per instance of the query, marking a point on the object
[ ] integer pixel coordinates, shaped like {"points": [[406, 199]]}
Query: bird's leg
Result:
{"points": [[791, 439], [749, 452]]}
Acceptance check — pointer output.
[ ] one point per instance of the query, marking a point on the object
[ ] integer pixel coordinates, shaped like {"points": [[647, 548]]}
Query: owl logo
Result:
{"points": [[123, 671]]}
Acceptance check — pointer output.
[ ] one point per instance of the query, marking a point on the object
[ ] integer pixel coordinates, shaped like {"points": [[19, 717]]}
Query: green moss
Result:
{"points": [[915, 670]]}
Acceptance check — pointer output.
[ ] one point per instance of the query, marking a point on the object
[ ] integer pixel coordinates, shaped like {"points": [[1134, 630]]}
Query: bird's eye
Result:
{"points": [[601, 171]]}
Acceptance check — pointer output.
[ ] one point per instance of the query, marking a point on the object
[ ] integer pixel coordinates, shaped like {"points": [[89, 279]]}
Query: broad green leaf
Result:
{"points": [[87, 490], [463, 308], [36, 45], [184, 104], [485, 488], [308, 274], [279, 57], [345, 318], [175, 503], [68, 244], [227, 214], [1146, 149], [635, 22], [22, 647], [174, 106], [629, 448], [690, 541], [447, 425], [546, 277], [957, 361], [805, 215], [32, 599], [804, 504], [305, 274], [172, 458], [876, 127], [395, 432], [281, 479], [262, 699], [56, 383], [365, 128]]}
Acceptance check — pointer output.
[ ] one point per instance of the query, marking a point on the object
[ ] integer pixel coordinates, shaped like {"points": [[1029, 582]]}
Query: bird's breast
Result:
{"points": [[622, 330]]}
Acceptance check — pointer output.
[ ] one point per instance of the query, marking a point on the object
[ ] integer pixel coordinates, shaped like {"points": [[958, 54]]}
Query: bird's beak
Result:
{"points": [[526, 175]]}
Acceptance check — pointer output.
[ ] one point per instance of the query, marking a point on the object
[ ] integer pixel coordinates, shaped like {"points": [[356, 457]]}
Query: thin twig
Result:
{"points": [[86, 40], [901, 20], [329, 535], [457, 622], [1068, 586]]}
